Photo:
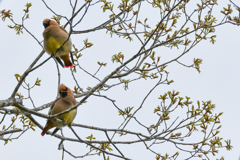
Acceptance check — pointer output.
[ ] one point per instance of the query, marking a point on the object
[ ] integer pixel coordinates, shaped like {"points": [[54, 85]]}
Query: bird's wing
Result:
{"points": [[59, 61], [49, 112]]}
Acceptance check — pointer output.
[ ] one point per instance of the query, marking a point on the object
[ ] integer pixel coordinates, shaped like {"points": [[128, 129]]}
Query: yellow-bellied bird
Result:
{"points": [[65, 101], [54, 37]]}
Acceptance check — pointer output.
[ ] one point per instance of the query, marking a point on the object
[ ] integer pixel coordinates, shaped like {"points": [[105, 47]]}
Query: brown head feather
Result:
{"points": [[48, 22], [63, 88]]}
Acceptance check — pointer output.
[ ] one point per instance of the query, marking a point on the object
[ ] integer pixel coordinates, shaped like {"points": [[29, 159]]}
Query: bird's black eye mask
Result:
{"points": [[63, 93], [46, 24]]}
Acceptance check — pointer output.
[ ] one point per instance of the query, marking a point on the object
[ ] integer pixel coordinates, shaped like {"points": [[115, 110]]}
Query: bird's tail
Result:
{"points": [[68, 65], [48, 126], [67, 61]]}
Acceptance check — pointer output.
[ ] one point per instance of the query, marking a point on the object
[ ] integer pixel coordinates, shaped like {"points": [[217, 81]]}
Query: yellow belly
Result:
{"points": [[52, 45], [69, 117]]}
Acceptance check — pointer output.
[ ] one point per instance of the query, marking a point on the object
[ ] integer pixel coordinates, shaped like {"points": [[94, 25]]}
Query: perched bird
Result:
{"points": [[65, 101], [54, 37]]}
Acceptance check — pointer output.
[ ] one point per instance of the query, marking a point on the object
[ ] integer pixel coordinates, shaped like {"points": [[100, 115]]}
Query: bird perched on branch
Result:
{"points": [[57, 42], [61, 104]]}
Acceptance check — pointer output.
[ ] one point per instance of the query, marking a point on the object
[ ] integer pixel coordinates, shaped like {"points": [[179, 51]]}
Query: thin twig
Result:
{"points": [[94, 146]]}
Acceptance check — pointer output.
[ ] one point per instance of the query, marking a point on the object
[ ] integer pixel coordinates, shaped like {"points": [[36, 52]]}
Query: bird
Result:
{"points": [[54, 37], [64, 102]]}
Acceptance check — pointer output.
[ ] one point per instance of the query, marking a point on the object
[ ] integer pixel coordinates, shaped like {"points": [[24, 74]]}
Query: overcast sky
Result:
{"points": [[218, 80]]}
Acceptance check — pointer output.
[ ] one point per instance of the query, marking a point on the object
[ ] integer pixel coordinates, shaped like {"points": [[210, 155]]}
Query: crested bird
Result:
{"points": [[57, 42], [64, 102]]}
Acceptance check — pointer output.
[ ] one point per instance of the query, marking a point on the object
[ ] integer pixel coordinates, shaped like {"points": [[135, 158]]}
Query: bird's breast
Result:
{"points": [[51, 46]]}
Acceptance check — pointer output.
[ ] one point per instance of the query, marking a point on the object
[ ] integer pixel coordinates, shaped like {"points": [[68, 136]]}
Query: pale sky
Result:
{"points": [[218, 80]]}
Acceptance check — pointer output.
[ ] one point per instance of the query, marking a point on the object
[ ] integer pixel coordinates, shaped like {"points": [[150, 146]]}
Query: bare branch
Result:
{"points": [[9, 131]]}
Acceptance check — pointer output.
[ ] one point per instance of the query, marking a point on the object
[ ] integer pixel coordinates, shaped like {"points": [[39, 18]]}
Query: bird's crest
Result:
{"points": [[62, 88]]}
